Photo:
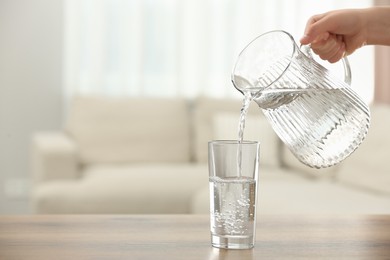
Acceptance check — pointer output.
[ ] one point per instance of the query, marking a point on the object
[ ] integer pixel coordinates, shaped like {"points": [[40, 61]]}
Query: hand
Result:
{"points": [[337, 33]]}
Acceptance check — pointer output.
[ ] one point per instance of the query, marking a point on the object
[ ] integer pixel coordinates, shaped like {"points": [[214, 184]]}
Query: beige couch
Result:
{"points": [[145, 156]]}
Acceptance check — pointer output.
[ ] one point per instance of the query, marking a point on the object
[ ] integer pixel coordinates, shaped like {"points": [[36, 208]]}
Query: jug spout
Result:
{"points": [[244, 85], [263, 61]]}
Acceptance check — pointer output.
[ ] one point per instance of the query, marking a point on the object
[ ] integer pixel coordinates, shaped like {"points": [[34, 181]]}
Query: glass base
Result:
{"points": [[232, 242]]}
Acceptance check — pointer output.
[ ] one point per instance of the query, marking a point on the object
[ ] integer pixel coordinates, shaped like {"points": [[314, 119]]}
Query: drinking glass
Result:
{"points": [[233, 175]]}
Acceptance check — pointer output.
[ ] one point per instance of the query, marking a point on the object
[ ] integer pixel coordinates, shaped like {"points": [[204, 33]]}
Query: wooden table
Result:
{"points": [[187, 237]]}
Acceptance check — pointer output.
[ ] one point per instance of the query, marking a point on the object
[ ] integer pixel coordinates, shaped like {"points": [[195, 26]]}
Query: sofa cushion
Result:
{"points": [[122, 130], [368, 167], [257, 128], [124, 189]]}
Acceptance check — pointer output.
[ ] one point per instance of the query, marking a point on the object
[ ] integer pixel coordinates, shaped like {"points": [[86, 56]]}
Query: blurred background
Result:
{"points": [[51, 50]]}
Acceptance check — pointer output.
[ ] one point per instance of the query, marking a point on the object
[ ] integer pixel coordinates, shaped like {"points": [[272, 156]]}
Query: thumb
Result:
{"points": [[312, 38], [307, 39], [314, 30]]}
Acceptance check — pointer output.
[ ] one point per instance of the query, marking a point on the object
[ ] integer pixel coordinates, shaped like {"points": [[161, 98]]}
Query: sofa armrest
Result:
{"points": [[54, 156]]}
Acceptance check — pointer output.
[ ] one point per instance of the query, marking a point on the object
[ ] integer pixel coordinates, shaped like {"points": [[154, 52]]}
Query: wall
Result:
{"points": [[31, 34]]}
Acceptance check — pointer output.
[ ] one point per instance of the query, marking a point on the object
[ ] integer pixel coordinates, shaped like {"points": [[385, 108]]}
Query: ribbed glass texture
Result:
{"points": [[319, 117]]}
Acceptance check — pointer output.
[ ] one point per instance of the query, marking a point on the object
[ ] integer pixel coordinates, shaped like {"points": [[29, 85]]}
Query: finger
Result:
{"points": [[328, 49], [312, 20], [307, 39], [322, 37], [308, 36], [317, 26], [339, 54]]}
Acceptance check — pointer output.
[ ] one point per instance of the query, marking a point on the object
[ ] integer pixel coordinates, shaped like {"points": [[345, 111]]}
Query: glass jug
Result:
{"points": [[318, 116]]}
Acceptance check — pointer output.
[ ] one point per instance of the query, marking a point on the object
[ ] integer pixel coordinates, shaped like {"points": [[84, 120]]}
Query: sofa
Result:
{"points": [[149, 156]]}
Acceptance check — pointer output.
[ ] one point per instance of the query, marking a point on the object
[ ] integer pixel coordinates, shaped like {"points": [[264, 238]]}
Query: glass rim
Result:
{"points": [[234, 142]]}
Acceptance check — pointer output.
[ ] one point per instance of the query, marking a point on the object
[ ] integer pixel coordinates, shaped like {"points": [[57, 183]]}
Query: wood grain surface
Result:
{"points": [[187, 237]]}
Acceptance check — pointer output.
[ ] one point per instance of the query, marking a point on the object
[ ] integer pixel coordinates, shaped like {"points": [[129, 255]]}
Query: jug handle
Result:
{"points": [[347, 68]]}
